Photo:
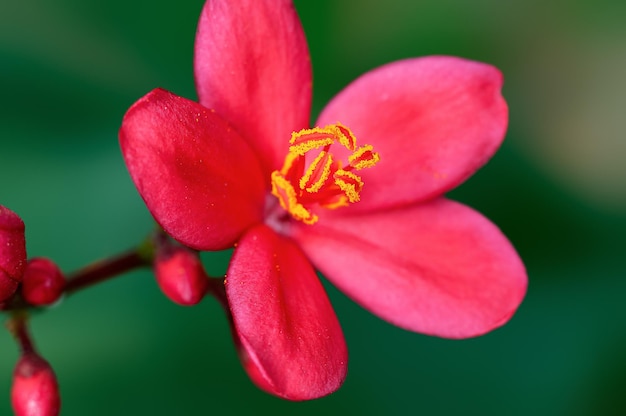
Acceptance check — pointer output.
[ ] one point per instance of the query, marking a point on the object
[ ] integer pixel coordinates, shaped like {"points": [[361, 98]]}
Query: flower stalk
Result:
{"points": [[106, 269], [17, 326]]}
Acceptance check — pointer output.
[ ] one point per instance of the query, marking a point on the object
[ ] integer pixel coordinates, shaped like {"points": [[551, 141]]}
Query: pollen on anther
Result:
{"points": [[346, 137], [308, 139], [363, 157], [317, 173], [288, 199], [350, 183], [283, 190]]}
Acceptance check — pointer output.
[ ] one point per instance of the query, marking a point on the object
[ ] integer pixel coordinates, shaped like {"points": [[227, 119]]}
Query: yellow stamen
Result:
{"points": [[308, 139], [286, 194], [346, 137], [315, 176], [324, 182], [363, 157], [350, 183]]}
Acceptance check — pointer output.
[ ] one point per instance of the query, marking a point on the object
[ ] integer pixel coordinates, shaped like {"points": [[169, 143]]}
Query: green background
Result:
{"points": [[70, 68]]}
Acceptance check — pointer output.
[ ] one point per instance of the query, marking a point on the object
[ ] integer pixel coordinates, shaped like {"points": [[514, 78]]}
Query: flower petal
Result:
{"points": [[252, 66], [438, 268], [199, 179], [433, 120], [291, 343]]}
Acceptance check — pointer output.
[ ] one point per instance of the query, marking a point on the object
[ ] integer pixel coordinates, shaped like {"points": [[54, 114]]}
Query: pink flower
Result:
{"points": [[228, 172]]}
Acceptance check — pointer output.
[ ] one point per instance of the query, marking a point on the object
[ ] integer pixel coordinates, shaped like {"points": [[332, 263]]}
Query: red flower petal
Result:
{"points": [[199, 179], [438, 268], [291, 343], [252, 66], [433, 120]]}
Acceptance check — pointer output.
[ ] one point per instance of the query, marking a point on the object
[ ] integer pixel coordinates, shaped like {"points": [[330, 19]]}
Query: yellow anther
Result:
{"points": [[345, 136], [318, 172], [308, 139], [300, 213], [350, 183], [363, 157], [282, 189], [288, 199]]}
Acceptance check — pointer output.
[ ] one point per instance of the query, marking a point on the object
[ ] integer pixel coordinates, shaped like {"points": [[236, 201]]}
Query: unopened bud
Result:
{"points": [[12, 252], [7, 286], [35, 390], [43, 282], [180, 274]]}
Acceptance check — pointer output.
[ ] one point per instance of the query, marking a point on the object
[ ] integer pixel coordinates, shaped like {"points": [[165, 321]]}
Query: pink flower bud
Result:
{"points": [[35, 390], [12, 252], [7, 286], [180, 274], [43, 282]]}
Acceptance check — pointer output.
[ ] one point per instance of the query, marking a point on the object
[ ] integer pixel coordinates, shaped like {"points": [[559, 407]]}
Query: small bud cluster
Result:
{"points": [[40, 280], [37, 282]]}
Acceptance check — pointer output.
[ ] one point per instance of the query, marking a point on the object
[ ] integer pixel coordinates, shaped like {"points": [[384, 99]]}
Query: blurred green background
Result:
{"points": [[70, 68]]}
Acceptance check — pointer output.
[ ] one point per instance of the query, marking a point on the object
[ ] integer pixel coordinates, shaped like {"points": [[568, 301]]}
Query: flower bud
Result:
{"points": [[12, 252], [43, 282], [7, 286], [35, 390], [180, 274]]}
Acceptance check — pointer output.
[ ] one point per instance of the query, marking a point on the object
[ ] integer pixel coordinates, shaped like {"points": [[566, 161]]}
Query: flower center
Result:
{"points": [[312, 176]]}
